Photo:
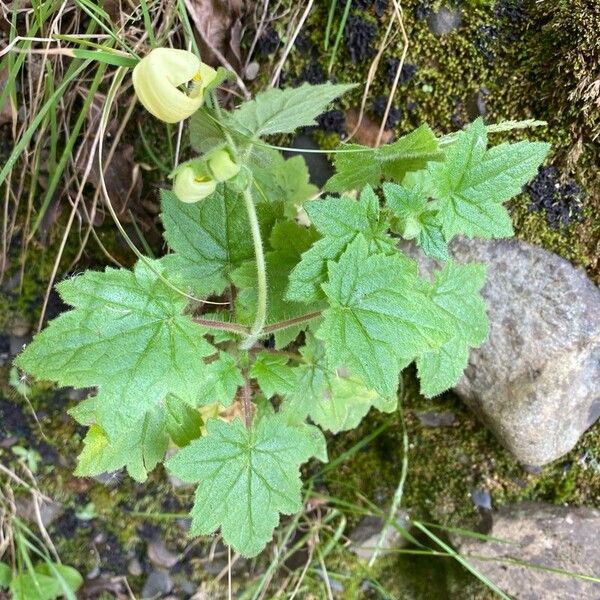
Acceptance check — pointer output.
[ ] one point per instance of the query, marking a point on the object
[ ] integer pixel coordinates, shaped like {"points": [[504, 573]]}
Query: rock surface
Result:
{"points": [[365, 536], [444, 20], [535, 382], [558, 537]]}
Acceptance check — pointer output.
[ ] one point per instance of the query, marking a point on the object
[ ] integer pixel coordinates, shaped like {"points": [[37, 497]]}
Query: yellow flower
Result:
{"points": [[221, 165], [158, 76], [189, 186]]}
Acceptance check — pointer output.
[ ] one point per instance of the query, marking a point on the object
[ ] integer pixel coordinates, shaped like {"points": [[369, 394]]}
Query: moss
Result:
{"points": [[445, 464], [523, 59]]}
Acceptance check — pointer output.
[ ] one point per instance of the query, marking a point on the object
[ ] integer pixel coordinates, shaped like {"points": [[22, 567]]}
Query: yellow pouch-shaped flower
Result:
{"points": [[190, 187], [158, 77]]}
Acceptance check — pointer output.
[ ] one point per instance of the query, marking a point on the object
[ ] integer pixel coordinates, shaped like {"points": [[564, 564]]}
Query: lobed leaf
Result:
{"points": [[246, 478], [128, 336], [340, 221], [473, 182], [456, 292], [380, 316], [209, 239], [358, 166], [284, 111]]}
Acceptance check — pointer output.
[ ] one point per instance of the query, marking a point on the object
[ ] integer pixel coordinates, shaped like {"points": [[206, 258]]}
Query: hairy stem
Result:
{"points": [[261, 274], [291, 322], [222, 325]]}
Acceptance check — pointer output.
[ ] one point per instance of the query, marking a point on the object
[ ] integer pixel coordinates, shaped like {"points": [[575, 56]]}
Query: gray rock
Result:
{"points": [[252, 70], [319, 167], [159, 582], [444, 20], [49, 511], [160, 555], [535, 382], [434, 418], [558, 537], [365, 536], [135, 567]]}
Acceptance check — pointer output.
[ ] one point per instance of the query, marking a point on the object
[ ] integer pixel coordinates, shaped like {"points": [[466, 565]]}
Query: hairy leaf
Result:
{"points": [[357, 166], [456, 291], [340, 221], [272, 374], [139, 449], [473, 182], [209, 239], [246, 478], [417, 218], [182, 423], [221, 381], [205, 134], [284, 111], [288, 241], [280, 180], [333, 398], [380, 316], [128, 336]]}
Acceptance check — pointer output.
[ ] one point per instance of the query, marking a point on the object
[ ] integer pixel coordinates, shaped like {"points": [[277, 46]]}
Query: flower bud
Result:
{"points": [[157, 77], [412, 228], [221, 165], [189, 186]]}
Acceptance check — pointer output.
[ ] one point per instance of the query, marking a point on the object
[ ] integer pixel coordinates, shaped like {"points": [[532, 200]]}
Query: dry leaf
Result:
{"points": [[221, 27], [368, 130]]}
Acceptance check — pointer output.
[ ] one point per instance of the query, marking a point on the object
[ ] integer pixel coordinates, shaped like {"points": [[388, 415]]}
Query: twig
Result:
{"points": [[291, 322]]}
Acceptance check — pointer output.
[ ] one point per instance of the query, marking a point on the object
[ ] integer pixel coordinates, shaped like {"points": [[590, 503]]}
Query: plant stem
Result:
{"points": [[261, 274], [222, 325], [291, 322]]}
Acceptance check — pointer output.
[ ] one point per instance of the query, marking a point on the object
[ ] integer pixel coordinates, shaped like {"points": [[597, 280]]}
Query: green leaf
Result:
{"points": [[288, 241], [142, 445], [205, 134], [456, 292], [45, 582], [272, 374], [139, 449], [182, 423], [284, 111], [5, 575], [334, 399], [246, 478], [417, 218], [358, 166], [127, 335], [280, 180], [221, 381], [209, 239], [431, 239], [340, 221], [473, 182], [380, 316]]}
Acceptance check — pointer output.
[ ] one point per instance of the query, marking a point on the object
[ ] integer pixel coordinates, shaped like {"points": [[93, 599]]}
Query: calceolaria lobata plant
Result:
{"points": [[278, 313]]}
